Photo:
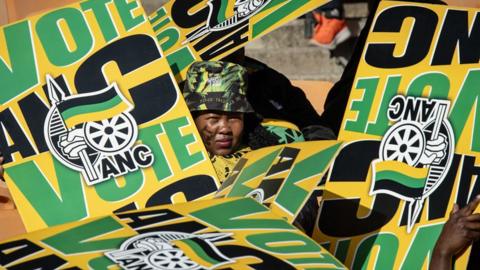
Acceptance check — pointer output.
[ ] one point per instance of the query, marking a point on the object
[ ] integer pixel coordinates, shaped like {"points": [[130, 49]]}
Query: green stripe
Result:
{"points": [[277, 15], [221, 12], [199, 251], [400, 178], [160, 25], [254, 170], [91, 108], [159, 14], [291, 196]]}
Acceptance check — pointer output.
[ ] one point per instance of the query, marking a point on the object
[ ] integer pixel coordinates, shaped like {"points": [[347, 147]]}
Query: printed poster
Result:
{"points": [[91, 118], [281, 177], [234, 233], [412, 150], [190, 31]]}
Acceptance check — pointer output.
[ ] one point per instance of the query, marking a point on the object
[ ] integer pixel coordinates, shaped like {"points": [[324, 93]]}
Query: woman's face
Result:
{"points": [[221, 132]]}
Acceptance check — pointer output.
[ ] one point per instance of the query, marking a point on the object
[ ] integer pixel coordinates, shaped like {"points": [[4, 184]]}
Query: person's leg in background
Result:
{"points": [[331, 28]]}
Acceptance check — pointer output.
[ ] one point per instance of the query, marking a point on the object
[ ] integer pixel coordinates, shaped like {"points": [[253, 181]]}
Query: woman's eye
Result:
{"points": [[212, 119], [236, 117]]}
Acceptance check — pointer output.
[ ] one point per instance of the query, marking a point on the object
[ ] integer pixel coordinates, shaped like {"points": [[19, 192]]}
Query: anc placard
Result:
{"points": [[234, 233], [412, 130], [190, 31], [282, 177], [91, 118]]}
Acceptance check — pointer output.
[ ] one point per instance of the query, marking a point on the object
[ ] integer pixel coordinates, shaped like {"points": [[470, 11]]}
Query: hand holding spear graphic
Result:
{"points": [[431, 162], [73, 143]]}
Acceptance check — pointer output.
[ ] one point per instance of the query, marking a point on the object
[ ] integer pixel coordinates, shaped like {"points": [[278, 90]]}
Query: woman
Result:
{"points": [[215, 93]]}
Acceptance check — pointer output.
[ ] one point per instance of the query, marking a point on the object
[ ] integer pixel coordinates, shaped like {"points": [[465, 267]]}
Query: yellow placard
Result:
{"points": [[411, 129], [190, 31], [211, 234], [92, 120], [282, 177]]}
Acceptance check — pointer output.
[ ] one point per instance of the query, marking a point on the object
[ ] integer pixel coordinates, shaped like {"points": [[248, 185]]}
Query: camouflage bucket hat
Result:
{"points": [[215, 85]]}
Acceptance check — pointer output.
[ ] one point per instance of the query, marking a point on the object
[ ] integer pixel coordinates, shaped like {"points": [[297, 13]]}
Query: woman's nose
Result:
{"points": [[224, 126]]}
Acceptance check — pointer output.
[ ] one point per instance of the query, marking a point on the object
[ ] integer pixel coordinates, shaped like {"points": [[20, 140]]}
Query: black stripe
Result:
{"points": [[474, 259], [399, 188], [79, 101], [208, 249]]}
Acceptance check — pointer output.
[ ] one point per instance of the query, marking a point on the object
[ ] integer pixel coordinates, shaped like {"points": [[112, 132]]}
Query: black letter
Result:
{"points": [[35, 113], [20, 141], [455, 31], [391, 21], [183, 18], [233, 40], [155, 97], [339, 217], [143, 156], [264, 260], [285, 161], [192, 187], [395, 110], [148, 217], [43, 263], [21, 248]]}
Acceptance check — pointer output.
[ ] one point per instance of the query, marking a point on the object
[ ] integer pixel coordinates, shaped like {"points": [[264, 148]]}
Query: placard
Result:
{"points": [[91, 118], [190, 31], [412, 151], [211, 234], [281, 177]]}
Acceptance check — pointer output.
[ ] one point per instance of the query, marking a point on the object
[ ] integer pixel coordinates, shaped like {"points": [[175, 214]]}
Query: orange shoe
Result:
{"points": [[317, 16], [330, 33]]}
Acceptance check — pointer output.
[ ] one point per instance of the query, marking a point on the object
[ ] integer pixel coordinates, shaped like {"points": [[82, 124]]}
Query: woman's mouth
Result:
{"points": [[224, 143]]}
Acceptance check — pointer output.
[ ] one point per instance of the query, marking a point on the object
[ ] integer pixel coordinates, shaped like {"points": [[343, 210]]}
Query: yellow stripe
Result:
{"points": [[403, 168], [192, 255], [279, 123]]}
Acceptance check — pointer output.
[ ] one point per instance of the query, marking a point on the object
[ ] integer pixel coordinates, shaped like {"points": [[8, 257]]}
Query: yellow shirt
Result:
{"points": [[224, 164]]}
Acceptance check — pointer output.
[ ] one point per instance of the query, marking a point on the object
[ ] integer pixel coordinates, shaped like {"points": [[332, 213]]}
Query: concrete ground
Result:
{"points": [[287, 50]]}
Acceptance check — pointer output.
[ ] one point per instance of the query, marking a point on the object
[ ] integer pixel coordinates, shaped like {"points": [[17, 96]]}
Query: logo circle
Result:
{"points": [[111, 135]]}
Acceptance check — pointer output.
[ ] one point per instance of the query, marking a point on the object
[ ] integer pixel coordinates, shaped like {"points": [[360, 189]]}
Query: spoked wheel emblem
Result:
{"points": [[111, 135], [170, 259], [404, 142]]}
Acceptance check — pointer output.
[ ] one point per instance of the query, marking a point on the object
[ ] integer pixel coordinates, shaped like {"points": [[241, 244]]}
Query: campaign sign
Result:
{"points": [[412, 130], [91, 118], [281, 177], [234, 233], [190, 31]]}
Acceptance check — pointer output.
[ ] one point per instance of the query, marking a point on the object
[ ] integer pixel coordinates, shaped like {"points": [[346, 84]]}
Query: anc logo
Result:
{"points": [[415, 153], [171, 250], [217, 21], [94, 133]]}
